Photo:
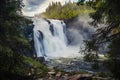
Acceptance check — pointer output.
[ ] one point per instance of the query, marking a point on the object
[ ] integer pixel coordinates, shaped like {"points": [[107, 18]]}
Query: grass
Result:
{"points": [[37, 69]]}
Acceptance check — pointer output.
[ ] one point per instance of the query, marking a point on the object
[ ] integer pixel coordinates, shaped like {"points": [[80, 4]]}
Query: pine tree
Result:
{"points": [[107, 12], [12, 41]]}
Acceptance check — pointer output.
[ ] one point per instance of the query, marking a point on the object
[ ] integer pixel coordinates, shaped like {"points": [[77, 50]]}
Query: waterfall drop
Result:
{"points": [[50, 38], [53, 40]]}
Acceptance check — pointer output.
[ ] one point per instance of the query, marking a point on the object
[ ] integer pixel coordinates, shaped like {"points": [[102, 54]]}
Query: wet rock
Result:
{"points": [[51, 73], [41, 59], [59, 74], [81, 77], [51, 29], [75, 77], [65, 76]]}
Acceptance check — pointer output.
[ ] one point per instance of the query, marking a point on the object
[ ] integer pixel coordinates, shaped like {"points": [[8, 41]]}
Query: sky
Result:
{"points": [[33, 7]]}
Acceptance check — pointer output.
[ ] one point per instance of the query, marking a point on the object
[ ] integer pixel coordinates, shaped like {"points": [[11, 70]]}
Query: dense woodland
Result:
{"points": [[67, 11], [107, 12], [14, 65]]}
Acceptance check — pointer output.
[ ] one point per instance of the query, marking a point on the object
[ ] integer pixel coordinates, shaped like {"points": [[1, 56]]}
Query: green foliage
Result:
{"points": [[18, 64], [90, 51], [104, 75], [35, 68], [9, 61], [95, 65], [36, 64], [69, 10], [107, 12], [13, 44], [91, 57], [113, 62]]}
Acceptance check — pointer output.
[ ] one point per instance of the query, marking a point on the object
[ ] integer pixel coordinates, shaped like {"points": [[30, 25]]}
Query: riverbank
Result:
{"points": [[74, 69]]}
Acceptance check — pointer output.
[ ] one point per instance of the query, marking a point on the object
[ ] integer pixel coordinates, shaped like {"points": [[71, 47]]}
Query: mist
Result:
{"points": [[79, 29]]}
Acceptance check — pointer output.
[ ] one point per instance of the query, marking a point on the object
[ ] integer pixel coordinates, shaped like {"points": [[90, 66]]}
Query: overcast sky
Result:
{"points": [[33, 7]]}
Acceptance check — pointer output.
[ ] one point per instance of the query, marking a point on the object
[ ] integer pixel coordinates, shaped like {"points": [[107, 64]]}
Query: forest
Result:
{"points": [[67, 11], [14, 45]]}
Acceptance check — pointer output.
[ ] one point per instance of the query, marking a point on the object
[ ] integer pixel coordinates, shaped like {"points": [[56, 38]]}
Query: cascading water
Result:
{"points": [[49, 37], [53, 40]]}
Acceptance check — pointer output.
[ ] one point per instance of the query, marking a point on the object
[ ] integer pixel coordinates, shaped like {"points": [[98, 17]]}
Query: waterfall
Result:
{"points": [[52, 39], [49, 37]]}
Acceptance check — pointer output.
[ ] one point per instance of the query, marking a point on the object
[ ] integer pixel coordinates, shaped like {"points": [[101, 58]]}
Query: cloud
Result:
{"points": [[33, 7]]}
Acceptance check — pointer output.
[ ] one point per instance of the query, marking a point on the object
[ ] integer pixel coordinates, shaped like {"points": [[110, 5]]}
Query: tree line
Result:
{"points": [[67, 11]]}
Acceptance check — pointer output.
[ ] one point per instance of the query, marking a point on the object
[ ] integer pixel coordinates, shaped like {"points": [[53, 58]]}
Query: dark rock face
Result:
{"points": [[28, 33], [41, 36], [51, 28], [64, 27], [47, 21], [41, 59]]}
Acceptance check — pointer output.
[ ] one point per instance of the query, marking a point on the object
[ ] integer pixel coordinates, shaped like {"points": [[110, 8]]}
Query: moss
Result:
{"points": [[37, 69]]}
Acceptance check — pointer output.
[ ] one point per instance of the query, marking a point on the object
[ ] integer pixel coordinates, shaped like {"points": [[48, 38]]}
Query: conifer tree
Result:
{"points": [[12, 41], [107, 12]]}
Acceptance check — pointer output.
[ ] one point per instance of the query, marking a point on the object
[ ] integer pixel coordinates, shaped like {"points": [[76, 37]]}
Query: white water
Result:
{"points": [[52, 45]]}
